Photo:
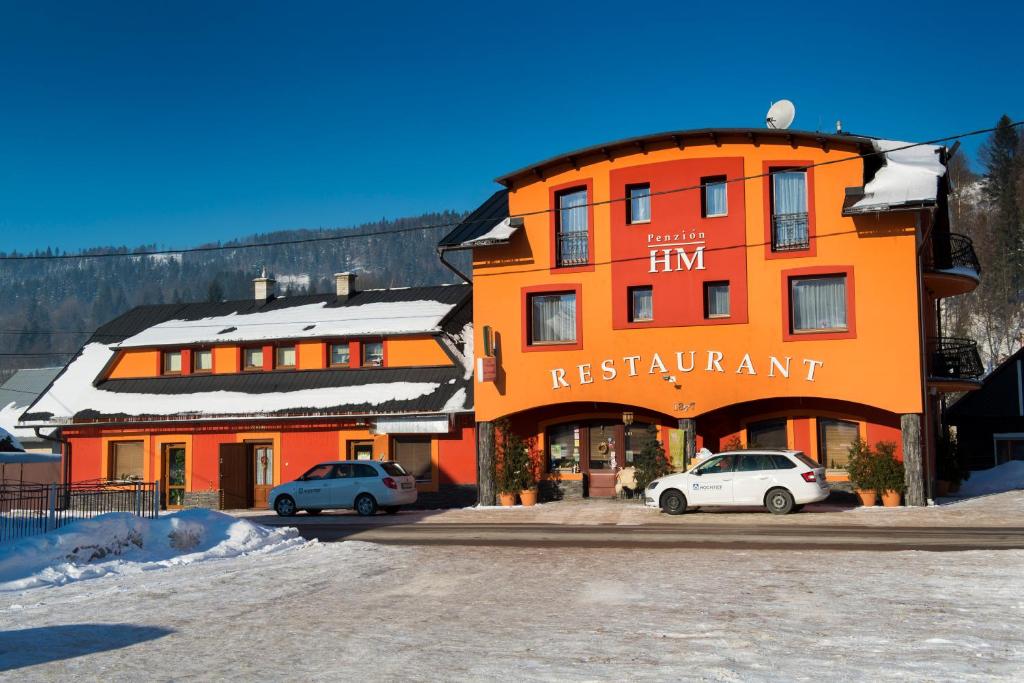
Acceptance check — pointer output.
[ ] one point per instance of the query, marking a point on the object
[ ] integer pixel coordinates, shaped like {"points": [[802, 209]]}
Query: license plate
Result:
{"points": [[406, 486]]}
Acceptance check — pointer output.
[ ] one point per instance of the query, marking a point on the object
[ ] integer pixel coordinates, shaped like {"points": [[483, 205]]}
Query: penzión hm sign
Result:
{"points": [[685, 362]]}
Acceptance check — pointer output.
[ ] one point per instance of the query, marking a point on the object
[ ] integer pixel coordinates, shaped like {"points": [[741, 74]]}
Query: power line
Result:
{"points": [[437, 226]]}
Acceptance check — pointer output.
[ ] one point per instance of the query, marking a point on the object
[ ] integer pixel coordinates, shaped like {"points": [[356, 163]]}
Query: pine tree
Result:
{"points": [[1001, 157], [651, 462]]}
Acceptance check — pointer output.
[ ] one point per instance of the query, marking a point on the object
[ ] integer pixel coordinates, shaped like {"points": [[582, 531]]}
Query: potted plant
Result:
{"points": [[510, 464], [891, 481], [651, 462], [526, 467], [862, 468]]}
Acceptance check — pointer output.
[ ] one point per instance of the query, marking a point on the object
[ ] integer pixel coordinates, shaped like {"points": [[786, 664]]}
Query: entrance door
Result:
{"points": [[263, 473], [235, 476], [360, 450], [173, 476]]}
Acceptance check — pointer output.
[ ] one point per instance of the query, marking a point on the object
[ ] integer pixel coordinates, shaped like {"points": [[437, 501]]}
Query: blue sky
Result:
{"points": [[179, 123]]}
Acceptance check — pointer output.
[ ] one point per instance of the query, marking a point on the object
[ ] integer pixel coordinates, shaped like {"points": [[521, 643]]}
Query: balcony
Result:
{"points": [[789, 232], [950, 265], [573, 249], [954, 364]]}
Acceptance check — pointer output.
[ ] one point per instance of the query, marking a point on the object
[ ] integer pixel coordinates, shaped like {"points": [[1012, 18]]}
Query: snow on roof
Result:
{"points": [[74, 392], [298, 322], [498, 234], [909, 176]]}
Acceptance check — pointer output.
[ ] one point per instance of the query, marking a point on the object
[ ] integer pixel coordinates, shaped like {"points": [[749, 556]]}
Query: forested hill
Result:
{"points": [[39, 298]]}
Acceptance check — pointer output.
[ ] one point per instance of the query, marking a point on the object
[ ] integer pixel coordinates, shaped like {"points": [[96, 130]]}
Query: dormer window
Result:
{"points": [[284, 357], [171, 363], [340, 355], [202, 360], [373, 354], [252, 358]]}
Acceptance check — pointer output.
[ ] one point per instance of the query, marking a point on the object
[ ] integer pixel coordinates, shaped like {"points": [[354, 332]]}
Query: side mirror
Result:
{"points": [[695, 473]]}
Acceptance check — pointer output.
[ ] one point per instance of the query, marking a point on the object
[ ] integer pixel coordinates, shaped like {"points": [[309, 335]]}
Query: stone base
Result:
{"points": [[201, 499], [446, 497], [550, 490]]}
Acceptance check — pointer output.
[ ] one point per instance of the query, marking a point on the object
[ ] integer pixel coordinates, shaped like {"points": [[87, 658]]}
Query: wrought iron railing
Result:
{"points": [[29, 509], [573, 248], [954, 358], [950, 251], [789, 232]]}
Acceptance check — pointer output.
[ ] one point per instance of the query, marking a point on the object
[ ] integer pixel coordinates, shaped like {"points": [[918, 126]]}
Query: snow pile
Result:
{"points": [[500, 233], [120, 543], [1005, 477], [298, 322], [73, 391], [909, 176]]}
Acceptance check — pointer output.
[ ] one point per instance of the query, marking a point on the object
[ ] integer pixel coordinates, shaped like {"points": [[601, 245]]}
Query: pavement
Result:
{"points": [[987, 523]]}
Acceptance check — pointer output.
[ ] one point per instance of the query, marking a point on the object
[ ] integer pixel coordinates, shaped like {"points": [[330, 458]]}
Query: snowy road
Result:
{"points": [[346, 611]]}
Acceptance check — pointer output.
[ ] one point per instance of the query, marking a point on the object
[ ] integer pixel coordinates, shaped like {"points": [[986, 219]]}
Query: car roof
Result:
{"points": [[742, 451], [364, 462]]}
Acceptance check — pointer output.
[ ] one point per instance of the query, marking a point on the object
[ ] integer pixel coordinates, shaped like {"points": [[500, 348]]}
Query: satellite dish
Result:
{"points": [[781, 115]]}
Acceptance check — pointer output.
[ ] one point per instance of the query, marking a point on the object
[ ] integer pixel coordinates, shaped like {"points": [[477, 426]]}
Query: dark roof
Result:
{"points": [[141, 318], [681, 138], [450, 378], [486, 216], [24, 386], [999, 395]]}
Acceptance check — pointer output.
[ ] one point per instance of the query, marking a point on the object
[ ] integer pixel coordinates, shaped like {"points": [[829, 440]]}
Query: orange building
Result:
{"points": [[728, 286], [220, 402]]}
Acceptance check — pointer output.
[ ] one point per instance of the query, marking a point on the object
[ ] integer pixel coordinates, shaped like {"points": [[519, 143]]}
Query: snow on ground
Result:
{"points": [[119, 543], [356, 611], [1005, 477]]}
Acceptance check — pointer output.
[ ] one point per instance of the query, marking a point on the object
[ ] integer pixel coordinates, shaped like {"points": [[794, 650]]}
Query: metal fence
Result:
{"points": [[29, 509]]}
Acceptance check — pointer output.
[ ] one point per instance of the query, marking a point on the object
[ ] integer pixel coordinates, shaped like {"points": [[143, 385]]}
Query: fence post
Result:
{"points": [[156, 499], [138, 500], [51, 520]]}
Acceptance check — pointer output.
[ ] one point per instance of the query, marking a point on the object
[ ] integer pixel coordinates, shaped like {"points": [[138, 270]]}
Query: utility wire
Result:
{"points": [[437, 226]]}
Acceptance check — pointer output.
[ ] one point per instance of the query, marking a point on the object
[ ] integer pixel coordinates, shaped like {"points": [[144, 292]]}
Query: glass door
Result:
{"points": [[263, 475], [173, 476], [605, 453]]}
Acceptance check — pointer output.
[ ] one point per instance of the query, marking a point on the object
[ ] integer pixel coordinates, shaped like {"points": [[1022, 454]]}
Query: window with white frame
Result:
{"points": [[818, 303], [714, 196], [552, 318], [638, 206]]}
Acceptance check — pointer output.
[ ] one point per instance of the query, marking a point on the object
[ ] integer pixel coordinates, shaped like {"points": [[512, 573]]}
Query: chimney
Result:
{"points": [[264, 286], [344, 285]]}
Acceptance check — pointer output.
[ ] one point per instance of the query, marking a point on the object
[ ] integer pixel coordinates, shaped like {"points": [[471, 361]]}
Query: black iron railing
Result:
{"points": [[950, 251], [954, 358], [789, 232], [29, 509], [573, 248]]}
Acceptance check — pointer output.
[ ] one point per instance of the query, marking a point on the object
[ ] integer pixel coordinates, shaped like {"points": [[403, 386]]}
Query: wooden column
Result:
{"points": [[485, 463], [913, 458], [689, 427]]}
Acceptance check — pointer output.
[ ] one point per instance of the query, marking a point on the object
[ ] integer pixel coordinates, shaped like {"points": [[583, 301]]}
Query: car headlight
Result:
{"points": [[653, 485]]}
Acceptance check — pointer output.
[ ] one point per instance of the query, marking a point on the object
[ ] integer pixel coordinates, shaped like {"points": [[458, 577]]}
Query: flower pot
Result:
{"points": [[507, 499], [941, 488], [868, 497], [891, 499], [528, 497]]}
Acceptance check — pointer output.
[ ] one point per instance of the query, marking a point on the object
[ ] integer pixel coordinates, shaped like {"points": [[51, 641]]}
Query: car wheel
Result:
{"points": [[313, 511], [673, 503], [366, 505], [779, 501], [391, 509], [284, 506]]}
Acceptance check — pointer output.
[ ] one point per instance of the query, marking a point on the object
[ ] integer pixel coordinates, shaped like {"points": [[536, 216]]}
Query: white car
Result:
{"points": [[361, 485], [780, 480]]}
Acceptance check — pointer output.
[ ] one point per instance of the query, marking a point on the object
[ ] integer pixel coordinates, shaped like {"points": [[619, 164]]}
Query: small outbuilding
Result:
{"points": [[990, 421]]}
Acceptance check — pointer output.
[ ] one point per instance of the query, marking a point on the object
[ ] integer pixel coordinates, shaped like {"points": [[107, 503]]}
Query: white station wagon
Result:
{"points": [[361, 485], [782, 481]]}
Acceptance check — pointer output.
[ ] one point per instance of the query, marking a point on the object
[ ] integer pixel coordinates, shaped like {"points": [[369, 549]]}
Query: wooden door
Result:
{"points": [[173, 476], [262, 473], [235, 476]]}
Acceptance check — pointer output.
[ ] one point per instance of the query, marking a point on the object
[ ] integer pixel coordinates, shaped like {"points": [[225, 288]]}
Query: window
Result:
{"points": [[318, 472], [126, 461], [714, 199], [789, 210], [818, 303], [641, 304], [373, 354], [756, 462], [394, 469], [252, 359], [284, 357], [571, 238], [360, 450], [343, 472], [834, 440], [1008, 447], [553, 318], [717, 465], [767, 434], [413, 454], [171, 363], [563, 448], [202, 360], [365, 471], [340, 355], [716, 299], [784, 463], [638, 208]]}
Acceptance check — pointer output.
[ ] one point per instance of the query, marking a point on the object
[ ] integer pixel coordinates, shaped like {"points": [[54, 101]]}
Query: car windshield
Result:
{"points": [[394, 469]]}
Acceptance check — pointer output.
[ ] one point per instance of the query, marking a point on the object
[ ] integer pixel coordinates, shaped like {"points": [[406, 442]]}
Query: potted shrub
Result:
{"points": [[891, 481], [506, 476], [526, 468], [862, 468], [651, 462]]}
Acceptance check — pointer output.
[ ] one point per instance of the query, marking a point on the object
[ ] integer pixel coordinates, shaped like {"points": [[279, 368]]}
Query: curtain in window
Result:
{"points": [[715, 200], [572, 208], [789, 199], [553, 318], [286, 356], [718, 299], [126, 462], [643, 303], [639, 204], [819, 303]]}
